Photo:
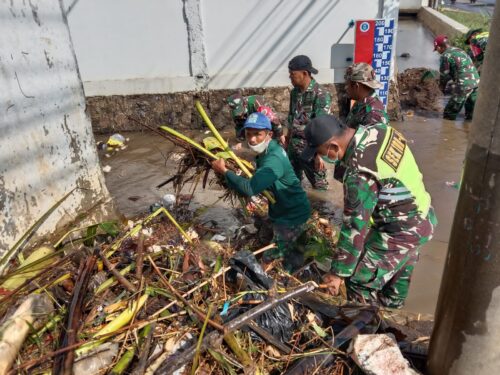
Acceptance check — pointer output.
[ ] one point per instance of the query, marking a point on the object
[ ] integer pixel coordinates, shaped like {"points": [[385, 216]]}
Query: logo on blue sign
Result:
{"points": [[364, 27]]}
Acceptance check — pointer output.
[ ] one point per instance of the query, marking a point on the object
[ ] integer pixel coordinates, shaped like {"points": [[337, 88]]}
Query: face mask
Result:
{"points": [[261, 147], [328, 160]]}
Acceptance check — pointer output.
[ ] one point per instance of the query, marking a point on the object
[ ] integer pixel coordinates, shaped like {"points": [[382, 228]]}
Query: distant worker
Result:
{"points": [[477, 41], [387, 211], [456, 65], [273, 173], [243, 106], [307, 101], [360, 84]]}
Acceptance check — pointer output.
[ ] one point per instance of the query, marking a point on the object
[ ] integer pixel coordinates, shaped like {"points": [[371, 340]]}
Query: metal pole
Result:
{"points": [[466, 337]]}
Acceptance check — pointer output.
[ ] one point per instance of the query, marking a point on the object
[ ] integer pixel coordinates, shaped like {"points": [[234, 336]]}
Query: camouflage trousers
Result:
{"points": [[383, 274], [457, 101], [316, 178], [285, 237]]}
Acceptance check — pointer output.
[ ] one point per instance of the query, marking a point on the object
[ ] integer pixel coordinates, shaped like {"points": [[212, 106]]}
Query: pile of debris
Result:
{"points": [[419, 89], [153, 298], [157, 297]]}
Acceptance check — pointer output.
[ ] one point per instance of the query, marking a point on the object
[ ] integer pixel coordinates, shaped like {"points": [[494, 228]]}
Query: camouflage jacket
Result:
{"points": [[251, 104], [306, 105], [366, 112], [457, 66], [375, 207], [477, 48]]}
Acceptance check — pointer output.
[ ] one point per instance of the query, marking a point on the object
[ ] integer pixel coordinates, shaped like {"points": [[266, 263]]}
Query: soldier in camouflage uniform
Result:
{"points": [[242, 106], [360, 85], [387, 211], [457, 66], [307, 100], [477, 41]]}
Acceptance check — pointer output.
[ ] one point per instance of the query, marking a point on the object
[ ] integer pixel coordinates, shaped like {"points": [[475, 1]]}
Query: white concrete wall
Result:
{"points": [[130, 43], [249, 43], [413, 4], [141, 46], [46, 144], [438, 23]]}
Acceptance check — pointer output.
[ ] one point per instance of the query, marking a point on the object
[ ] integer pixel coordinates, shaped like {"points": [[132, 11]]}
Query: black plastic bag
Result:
{"points": [[278, 321]]}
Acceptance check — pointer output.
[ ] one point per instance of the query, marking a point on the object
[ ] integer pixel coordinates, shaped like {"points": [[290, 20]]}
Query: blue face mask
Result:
{"points": [[326, 159]]}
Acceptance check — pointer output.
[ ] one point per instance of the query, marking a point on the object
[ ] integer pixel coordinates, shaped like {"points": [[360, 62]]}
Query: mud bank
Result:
{"points": [[418, 92]]}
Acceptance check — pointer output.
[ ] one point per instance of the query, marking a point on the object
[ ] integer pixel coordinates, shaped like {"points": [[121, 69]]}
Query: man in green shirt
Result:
{"points": [[275, 174], [307, 101], [387, 211]]}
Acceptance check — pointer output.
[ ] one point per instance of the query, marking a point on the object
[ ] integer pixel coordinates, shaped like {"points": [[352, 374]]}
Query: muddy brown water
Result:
{"points": [[413, 38], [438, 146]]}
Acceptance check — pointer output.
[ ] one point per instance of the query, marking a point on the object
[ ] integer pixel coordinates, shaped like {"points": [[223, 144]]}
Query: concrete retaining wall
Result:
{"points": [[412, 6], [438, 23], [46, 144], [112, 113]]}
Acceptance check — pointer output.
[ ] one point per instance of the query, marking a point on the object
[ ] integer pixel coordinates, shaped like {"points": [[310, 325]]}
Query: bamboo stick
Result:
{"points": [[120, 321], [200, 314], [140, 257], [63, 364], [226, 147], [200, 340], [190, 141], [15, 329], [146, 336], [118, 276], [243, 356]]}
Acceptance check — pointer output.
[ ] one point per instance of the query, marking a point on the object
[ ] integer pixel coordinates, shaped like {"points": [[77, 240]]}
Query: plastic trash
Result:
{"points": [[116, 140], [96, 360], [168, 201], [103, 146], [218, 238], [154, 207], [277, 321], [250, 228], [379, 355], [106, 169]]}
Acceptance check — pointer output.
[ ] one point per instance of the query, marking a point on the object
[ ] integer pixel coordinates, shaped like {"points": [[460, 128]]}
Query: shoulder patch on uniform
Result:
{"points": [[394, 150]]}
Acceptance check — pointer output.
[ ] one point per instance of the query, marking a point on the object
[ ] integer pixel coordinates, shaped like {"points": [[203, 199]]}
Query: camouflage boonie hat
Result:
{"points": [[362, 73], [237, 104]]}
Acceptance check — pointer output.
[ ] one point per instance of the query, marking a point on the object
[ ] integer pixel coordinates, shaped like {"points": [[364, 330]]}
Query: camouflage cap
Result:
{"points": [[362, 73], [237, 103]]}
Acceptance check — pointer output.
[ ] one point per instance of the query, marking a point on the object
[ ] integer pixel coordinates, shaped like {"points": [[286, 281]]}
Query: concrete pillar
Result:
{"points": [[47, 148], [466, 337], [196, 41]]}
